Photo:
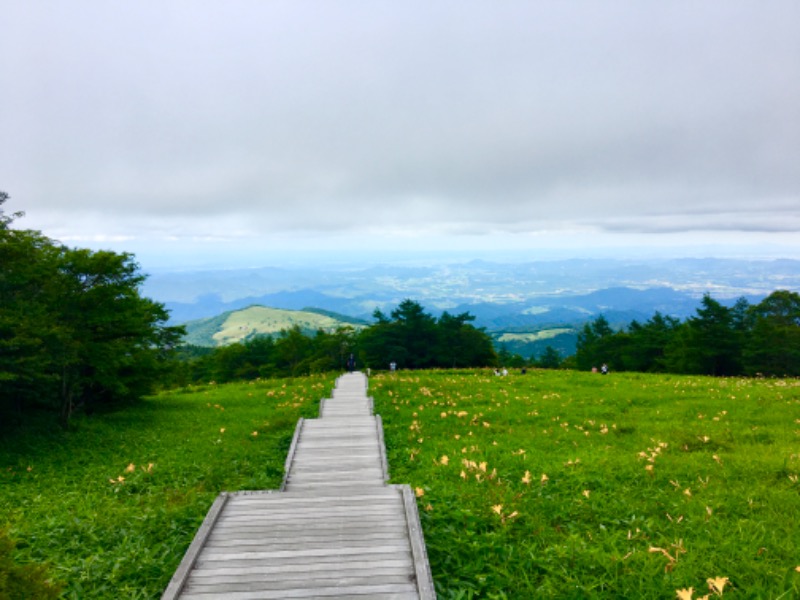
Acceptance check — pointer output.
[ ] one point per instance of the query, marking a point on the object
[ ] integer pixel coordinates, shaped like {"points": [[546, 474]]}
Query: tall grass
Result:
{"points": [[572, 485], [113, 504]]}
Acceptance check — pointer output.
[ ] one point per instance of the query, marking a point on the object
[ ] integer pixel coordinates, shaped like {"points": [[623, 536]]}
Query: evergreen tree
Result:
{"points": [[707, 344], [773, 346], [550, 359], [644, 351]]}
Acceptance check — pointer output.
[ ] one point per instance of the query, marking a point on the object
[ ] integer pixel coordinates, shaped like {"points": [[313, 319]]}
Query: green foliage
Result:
{"points": [[773, 347], [722, 341], [74, 331], [113, 503], [410, 337], [559, 484], [550, 359], [413, 339], [22, 581]]}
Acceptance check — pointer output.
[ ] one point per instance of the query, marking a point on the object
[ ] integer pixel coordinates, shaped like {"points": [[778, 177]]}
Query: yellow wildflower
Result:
{"points": [[685, 594], [717, 584]]}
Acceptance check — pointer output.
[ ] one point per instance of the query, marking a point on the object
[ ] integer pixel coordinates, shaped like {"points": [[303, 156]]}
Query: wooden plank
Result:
{"points": [[272, 497], [334, 530], [292, 450], [209, 554], [181, 575], [259, 576], [310, 562], [351, 581], [367, 592], [421, 565], [391, 592], [305, 570]]}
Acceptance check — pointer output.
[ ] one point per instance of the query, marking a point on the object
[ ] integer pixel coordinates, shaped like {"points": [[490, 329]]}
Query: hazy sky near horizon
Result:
{"points": [[193, 128]]}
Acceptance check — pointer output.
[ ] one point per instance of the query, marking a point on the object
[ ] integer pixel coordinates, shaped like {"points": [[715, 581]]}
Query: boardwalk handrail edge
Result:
{"points": [[292, 450], [190, 558], [418, 549]]}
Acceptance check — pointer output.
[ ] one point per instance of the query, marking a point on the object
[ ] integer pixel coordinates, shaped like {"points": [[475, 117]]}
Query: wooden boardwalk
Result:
{"points": [[335, 529]]}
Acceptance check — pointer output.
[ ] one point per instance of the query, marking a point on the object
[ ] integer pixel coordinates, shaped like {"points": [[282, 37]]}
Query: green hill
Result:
{"points": [[239, 325]]}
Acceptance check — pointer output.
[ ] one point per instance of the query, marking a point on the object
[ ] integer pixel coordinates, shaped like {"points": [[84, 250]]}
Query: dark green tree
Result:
{"points": [[74, 330], [594, 345], [415, 332], [293, 351], [460, 344], [550, 359], [644, 350], [773, 345], [707, 344]]}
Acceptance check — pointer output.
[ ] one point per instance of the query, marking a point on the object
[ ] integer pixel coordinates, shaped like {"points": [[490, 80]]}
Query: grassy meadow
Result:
{"points": [[113, 504], [544, 485], [578, 485]]}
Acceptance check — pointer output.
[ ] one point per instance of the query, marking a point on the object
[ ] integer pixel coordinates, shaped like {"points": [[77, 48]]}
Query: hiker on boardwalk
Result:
{"points": [[351, 363]]}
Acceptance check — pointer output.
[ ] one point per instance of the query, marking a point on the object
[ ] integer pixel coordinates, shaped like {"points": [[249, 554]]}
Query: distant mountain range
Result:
{"points": [[524, 306]]}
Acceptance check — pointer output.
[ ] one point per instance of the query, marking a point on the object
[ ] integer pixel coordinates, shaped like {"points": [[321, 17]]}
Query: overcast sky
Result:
{"points": [[247, 127]]}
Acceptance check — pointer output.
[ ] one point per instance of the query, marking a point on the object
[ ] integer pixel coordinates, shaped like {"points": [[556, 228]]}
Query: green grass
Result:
{"points": [[573, 485], [554, 485], [113, 504]]}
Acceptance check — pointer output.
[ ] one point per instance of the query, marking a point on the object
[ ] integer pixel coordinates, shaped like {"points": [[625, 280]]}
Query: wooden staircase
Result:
{"points": [[335, 529]]}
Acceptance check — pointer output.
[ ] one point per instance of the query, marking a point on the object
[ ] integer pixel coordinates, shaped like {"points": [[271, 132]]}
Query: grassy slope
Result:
{"points": [[237, 325], [722, 497], [545, 334], [572, 485], [61, 496]]}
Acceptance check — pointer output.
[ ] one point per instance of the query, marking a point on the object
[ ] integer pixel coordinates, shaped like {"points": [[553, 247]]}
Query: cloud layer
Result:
{"points": [[241, 119]]}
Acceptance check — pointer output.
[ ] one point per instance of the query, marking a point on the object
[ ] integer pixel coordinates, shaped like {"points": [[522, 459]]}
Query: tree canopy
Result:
{"points": [[74, 330], [719, 340]]}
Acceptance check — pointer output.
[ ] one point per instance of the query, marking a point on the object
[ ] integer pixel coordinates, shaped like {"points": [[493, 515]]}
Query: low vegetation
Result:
{"points": [[551, 484], [109, 507], [560, 484]]}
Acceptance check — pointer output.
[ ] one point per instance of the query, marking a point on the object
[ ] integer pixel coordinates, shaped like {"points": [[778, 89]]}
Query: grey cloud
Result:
{"points": [[456, 117]]}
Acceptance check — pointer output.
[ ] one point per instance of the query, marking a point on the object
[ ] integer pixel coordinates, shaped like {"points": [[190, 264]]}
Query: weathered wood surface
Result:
{"points": [[335, 530]]}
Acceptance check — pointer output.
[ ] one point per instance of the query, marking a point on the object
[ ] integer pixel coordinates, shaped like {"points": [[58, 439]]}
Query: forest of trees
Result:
{"points": [[745, 339], [74, 331]]}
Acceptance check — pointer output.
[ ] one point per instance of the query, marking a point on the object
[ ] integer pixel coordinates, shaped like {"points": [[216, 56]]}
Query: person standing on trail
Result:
{"points": [[351, 363]]}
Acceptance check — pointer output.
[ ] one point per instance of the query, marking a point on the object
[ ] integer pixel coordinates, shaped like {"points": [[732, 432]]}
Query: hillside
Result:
{"points": [[239, 325]]}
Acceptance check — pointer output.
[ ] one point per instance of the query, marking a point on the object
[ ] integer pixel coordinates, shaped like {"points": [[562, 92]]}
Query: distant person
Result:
{"points": [[393, 366], [351, 363], [523, 371], [604, 369], [505, 371]]}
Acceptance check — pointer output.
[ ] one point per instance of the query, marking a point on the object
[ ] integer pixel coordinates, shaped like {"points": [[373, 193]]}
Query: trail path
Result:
{"points": [[335, 529]]}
